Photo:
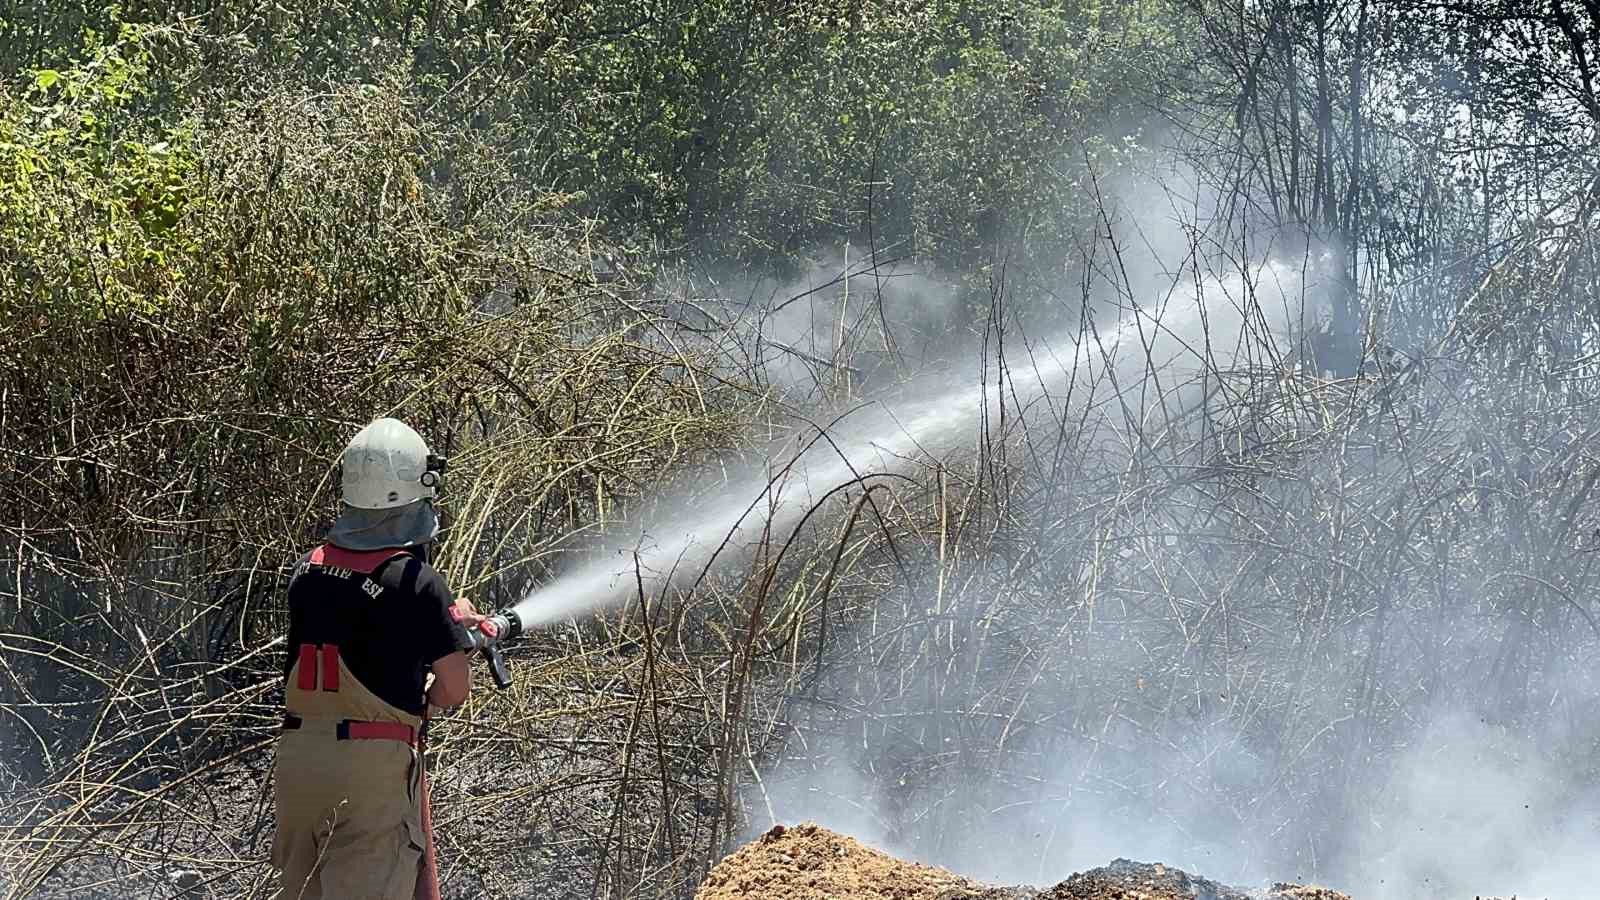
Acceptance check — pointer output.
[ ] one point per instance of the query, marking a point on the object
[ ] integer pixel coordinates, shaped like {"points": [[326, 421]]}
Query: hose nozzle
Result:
{"points": [[489, 635]]}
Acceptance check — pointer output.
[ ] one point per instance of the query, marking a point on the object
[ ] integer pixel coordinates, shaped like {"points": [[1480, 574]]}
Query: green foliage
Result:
{"points": [[941, 127], [949, 128], [945, 128], [92, 198]]}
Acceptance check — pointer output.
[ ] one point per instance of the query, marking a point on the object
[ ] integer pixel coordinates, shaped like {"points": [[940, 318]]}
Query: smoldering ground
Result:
{"points": [[1309, 630]]}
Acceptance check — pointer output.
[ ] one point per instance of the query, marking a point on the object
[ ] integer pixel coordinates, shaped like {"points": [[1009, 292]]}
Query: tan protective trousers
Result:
{"points": [[349, 811]]}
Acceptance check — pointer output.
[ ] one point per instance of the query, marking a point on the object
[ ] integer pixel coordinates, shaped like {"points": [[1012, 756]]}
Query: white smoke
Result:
{"points": [[843, 315], [1475, 809], [1152, 361]]}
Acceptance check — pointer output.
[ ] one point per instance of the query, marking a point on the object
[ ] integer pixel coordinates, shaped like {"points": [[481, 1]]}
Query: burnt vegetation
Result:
{"points": [[232, 233]]}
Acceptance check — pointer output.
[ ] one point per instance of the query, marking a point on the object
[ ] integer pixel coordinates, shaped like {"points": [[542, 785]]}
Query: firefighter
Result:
{"points": [[374, 638]]}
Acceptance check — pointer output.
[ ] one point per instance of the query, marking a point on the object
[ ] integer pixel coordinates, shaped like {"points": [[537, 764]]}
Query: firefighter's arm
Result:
{"points": [[452, 678], [452, 681]]}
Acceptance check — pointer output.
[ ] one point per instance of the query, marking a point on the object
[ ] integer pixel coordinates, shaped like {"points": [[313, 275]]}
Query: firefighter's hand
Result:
{"points": [[465, 613]]}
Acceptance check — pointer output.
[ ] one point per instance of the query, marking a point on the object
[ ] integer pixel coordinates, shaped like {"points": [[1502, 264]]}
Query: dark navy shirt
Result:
{"points": [[390, 624]]}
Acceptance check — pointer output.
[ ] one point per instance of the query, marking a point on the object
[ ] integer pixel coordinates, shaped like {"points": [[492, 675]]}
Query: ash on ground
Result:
{"points": [[809, 862], [1125, 879]]}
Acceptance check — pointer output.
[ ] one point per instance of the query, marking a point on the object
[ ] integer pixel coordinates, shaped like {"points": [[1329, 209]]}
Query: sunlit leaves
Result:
{"points": [[85, 201]]}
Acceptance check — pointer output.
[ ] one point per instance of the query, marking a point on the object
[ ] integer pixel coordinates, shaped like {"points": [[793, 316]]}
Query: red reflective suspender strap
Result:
{"points": [[307, 679], [330, 667], [308, 668], [354, 730]]}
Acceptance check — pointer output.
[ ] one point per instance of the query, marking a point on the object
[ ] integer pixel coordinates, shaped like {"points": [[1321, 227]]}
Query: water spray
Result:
{"points": [[1168, 347]]}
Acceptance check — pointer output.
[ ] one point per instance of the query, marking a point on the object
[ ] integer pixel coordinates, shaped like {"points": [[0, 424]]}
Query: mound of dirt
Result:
{"points": [[809, 862]]}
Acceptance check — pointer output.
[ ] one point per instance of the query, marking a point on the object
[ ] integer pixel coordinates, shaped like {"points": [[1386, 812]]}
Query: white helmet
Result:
{"points": [[386, 465]]}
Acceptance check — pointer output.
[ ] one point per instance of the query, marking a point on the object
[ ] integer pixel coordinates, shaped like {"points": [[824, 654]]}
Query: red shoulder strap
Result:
{"points": [[363, 561]]}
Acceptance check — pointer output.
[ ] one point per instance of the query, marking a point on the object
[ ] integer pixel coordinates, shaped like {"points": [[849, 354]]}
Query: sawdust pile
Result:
{"points": [[809, 862]]}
